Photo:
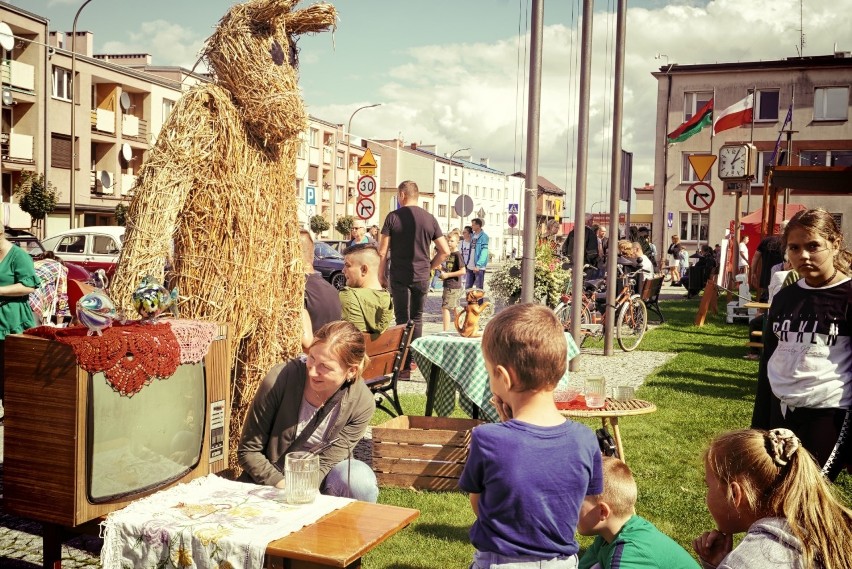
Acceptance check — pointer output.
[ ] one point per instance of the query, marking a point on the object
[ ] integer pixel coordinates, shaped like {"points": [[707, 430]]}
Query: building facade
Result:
{"points": [[816, 89]]}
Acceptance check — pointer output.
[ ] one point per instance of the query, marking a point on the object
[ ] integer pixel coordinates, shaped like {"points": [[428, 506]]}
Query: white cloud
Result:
{"points": [[460, 95], [168, 43]]}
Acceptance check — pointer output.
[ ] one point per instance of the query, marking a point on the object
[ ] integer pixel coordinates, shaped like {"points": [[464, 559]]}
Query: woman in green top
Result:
{"points": [[17, 281]]}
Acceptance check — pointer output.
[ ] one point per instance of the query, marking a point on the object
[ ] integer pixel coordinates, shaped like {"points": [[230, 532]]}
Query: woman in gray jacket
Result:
{"points": [[312, 403], [767, 484]]}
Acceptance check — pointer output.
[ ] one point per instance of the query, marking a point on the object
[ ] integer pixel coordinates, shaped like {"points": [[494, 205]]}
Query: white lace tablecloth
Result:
{"points": [[209, 522]]}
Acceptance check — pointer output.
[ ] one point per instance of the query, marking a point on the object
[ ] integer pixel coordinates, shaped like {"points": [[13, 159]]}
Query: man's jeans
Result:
{"points": [[408, 301], [475, 278]]}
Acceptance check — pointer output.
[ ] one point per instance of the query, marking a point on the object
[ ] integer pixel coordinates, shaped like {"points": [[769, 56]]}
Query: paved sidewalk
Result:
{"points": [[20, 539]]}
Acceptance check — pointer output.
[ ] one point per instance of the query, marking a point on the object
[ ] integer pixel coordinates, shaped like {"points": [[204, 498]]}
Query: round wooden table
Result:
{"points": [[610, 413]]}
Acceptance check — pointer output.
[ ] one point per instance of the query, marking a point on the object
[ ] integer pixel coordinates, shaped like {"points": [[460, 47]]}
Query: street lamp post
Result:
{"points": [[73, 84], [348, 132], [449, 188]]}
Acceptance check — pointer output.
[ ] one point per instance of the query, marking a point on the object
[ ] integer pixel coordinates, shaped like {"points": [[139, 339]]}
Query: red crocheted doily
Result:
{"points": [[130, 356]]}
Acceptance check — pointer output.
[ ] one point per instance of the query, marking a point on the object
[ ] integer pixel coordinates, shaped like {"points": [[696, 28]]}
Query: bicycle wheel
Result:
{"points": [[631, 323], [563, 314]]}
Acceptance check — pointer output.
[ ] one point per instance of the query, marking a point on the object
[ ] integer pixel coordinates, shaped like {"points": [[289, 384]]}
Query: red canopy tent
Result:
{"points": [[750, 224]]}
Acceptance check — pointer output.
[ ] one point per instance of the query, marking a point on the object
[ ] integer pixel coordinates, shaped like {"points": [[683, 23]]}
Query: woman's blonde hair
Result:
{"points": [[779, 478], [346, 343], [625, 248]]}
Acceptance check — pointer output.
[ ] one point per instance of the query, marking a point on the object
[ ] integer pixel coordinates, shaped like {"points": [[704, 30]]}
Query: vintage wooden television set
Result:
{"points": [[75, 449]]}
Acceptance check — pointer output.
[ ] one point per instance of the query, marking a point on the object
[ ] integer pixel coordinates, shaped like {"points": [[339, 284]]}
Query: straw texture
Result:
{"points": [[220, 185]]}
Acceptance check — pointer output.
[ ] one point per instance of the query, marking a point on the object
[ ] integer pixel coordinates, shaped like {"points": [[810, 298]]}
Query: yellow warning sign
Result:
{"points": [[367, 161], [702, 163]]}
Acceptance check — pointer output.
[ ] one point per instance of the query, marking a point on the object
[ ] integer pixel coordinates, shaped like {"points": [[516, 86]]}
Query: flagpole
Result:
{"points": [[751, 141], [789, 151]]}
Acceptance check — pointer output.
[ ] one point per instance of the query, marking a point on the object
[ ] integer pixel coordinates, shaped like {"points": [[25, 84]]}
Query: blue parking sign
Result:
{"points": [[310, 195]]}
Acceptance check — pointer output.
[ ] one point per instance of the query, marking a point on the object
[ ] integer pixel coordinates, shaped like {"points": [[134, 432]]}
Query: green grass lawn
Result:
{"points": [[706, 389]]}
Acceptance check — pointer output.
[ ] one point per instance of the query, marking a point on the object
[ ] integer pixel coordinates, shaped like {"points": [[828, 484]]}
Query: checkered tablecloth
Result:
{"points": [[462, 370]]}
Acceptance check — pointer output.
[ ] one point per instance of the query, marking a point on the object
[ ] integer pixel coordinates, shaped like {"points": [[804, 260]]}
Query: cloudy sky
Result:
{"points": [[452, 72]]}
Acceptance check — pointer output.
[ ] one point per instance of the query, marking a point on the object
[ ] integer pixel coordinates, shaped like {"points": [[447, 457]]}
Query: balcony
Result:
{"points": [[16, 147], [326, 155], [313, 156], [97, 187], [18, 75], [103, 121], [134, 128]]}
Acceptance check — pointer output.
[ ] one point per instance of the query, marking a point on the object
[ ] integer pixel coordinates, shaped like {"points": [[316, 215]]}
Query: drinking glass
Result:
{"points": [[595, 392], [624, 393], [302, 477]]}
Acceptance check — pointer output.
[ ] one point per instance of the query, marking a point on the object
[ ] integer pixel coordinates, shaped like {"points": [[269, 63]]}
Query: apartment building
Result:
{"points": [[24, 103], [325, 183], [817, 89], [119, 112]]}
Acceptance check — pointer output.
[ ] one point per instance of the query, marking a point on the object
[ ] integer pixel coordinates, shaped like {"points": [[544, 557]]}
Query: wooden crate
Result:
{"points": [[425, 453]]}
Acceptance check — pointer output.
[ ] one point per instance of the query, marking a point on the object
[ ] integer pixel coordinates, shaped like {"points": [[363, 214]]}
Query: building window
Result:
{"points": [[168, 106], [443, 169], [693, 102], [831, 103], [314, 137], [689, 226], [825, 158], [763, 161], [61, 83], [687, 173], [338, 194], [425, 206], [60, 151], [767, 105], [442, 210], [340, 161], [301, 151], [442, 185], [455, 188]]}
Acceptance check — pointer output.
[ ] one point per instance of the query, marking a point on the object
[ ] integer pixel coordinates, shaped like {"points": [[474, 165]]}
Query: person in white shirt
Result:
{"points": [[743, 254]]}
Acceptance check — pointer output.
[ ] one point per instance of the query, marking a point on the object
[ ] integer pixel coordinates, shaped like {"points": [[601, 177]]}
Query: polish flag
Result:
{"points": [[738, 114]]}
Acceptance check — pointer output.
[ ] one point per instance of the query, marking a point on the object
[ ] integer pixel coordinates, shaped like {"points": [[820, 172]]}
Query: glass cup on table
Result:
{"points": [[624, 393], [302, 477], [595, 391]]}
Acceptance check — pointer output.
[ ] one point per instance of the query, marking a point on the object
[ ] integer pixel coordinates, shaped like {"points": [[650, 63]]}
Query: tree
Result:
{"points": [[36, 197], [319, 224], [344, 225], [121, 214]]}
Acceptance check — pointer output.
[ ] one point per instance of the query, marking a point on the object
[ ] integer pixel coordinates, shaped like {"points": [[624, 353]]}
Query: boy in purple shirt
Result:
{"points": [[528, 475]]}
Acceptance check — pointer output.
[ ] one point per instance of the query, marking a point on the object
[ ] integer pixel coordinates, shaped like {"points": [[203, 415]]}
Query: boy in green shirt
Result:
{"points": [[625, 540]]}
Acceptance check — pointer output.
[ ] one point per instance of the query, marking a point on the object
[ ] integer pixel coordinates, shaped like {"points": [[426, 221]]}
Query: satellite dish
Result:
{"points": [[124, 101], [8, 99], [7, 39], [105, 179], [126, 152]]}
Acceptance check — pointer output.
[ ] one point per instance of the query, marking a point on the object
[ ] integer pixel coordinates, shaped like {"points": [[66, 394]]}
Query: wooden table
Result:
{"points": [[339, 539], [610, 413], [757, 305]]}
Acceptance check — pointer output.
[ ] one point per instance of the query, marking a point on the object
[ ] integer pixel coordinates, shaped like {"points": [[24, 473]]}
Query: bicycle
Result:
{"points": [[631, 320]]}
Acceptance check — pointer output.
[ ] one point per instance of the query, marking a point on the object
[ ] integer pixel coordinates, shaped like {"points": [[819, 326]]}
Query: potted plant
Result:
{"points": [[550, 279]]}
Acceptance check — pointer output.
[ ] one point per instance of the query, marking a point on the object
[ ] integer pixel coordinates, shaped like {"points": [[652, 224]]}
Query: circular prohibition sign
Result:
{"points": [[700, 196]]}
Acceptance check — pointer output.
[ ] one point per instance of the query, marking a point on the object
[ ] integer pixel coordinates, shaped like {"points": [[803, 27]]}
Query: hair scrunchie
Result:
{"points": [[783, 443]]}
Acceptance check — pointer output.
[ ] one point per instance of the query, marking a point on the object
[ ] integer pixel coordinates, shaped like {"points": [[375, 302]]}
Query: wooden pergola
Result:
{"points": [[801, 181]]}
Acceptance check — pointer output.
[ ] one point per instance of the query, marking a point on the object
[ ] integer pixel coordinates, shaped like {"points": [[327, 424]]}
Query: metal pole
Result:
{"points": [[449, 185], [531, 179], [615, 174], [348, 133], [582, 164], [73, 84]]}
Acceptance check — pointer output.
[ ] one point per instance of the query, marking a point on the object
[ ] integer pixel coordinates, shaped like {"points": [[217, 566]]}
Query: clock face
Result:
{"points": [[733, 161]]}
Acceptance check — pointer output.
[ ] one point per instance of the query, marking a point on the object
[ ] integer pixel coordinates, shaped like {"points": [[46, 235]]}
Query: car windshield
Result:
{"points": [[324, 251]]}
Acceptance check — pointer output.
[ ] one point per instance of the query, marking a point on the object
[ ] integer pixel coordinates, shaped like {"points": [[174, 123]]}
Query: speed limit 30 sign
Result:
{"points": [[366, 186]]}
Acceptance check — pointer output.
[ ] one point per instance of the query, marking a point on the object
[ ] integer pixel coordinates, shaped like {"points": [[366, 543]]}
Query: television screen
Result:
{"points": [[145, 441]]}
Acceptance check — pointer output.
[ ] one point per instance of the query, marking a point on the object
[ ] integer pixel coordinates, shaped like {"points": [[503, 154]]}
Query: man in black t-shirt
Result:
{"points": [[407, 235]]}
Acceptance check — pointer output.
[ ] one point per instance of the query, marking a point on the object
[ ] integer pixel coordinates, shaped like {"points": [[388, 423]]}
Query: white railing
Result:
{"points": [[20, 146], [127, 181], [129, 125], [20, 75], [103, 120]]}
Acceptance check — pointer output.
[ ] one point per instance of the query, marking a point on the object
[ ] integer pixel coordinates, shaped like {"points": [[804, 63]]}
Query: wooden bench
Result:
{"points": [[651, 295], [387, 352]]}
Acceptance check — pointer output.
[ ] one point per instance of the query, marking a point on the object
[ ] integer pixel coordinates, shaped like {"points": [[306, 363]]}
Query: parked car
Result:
{"points": [[95, 247], [30, 243], [337, 244], [330, 263]]}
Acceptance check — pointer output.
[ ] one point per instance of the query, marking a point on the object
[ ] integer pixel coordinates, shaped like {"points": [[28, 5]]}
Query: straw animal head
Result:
{"points": [[253, 55]]}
